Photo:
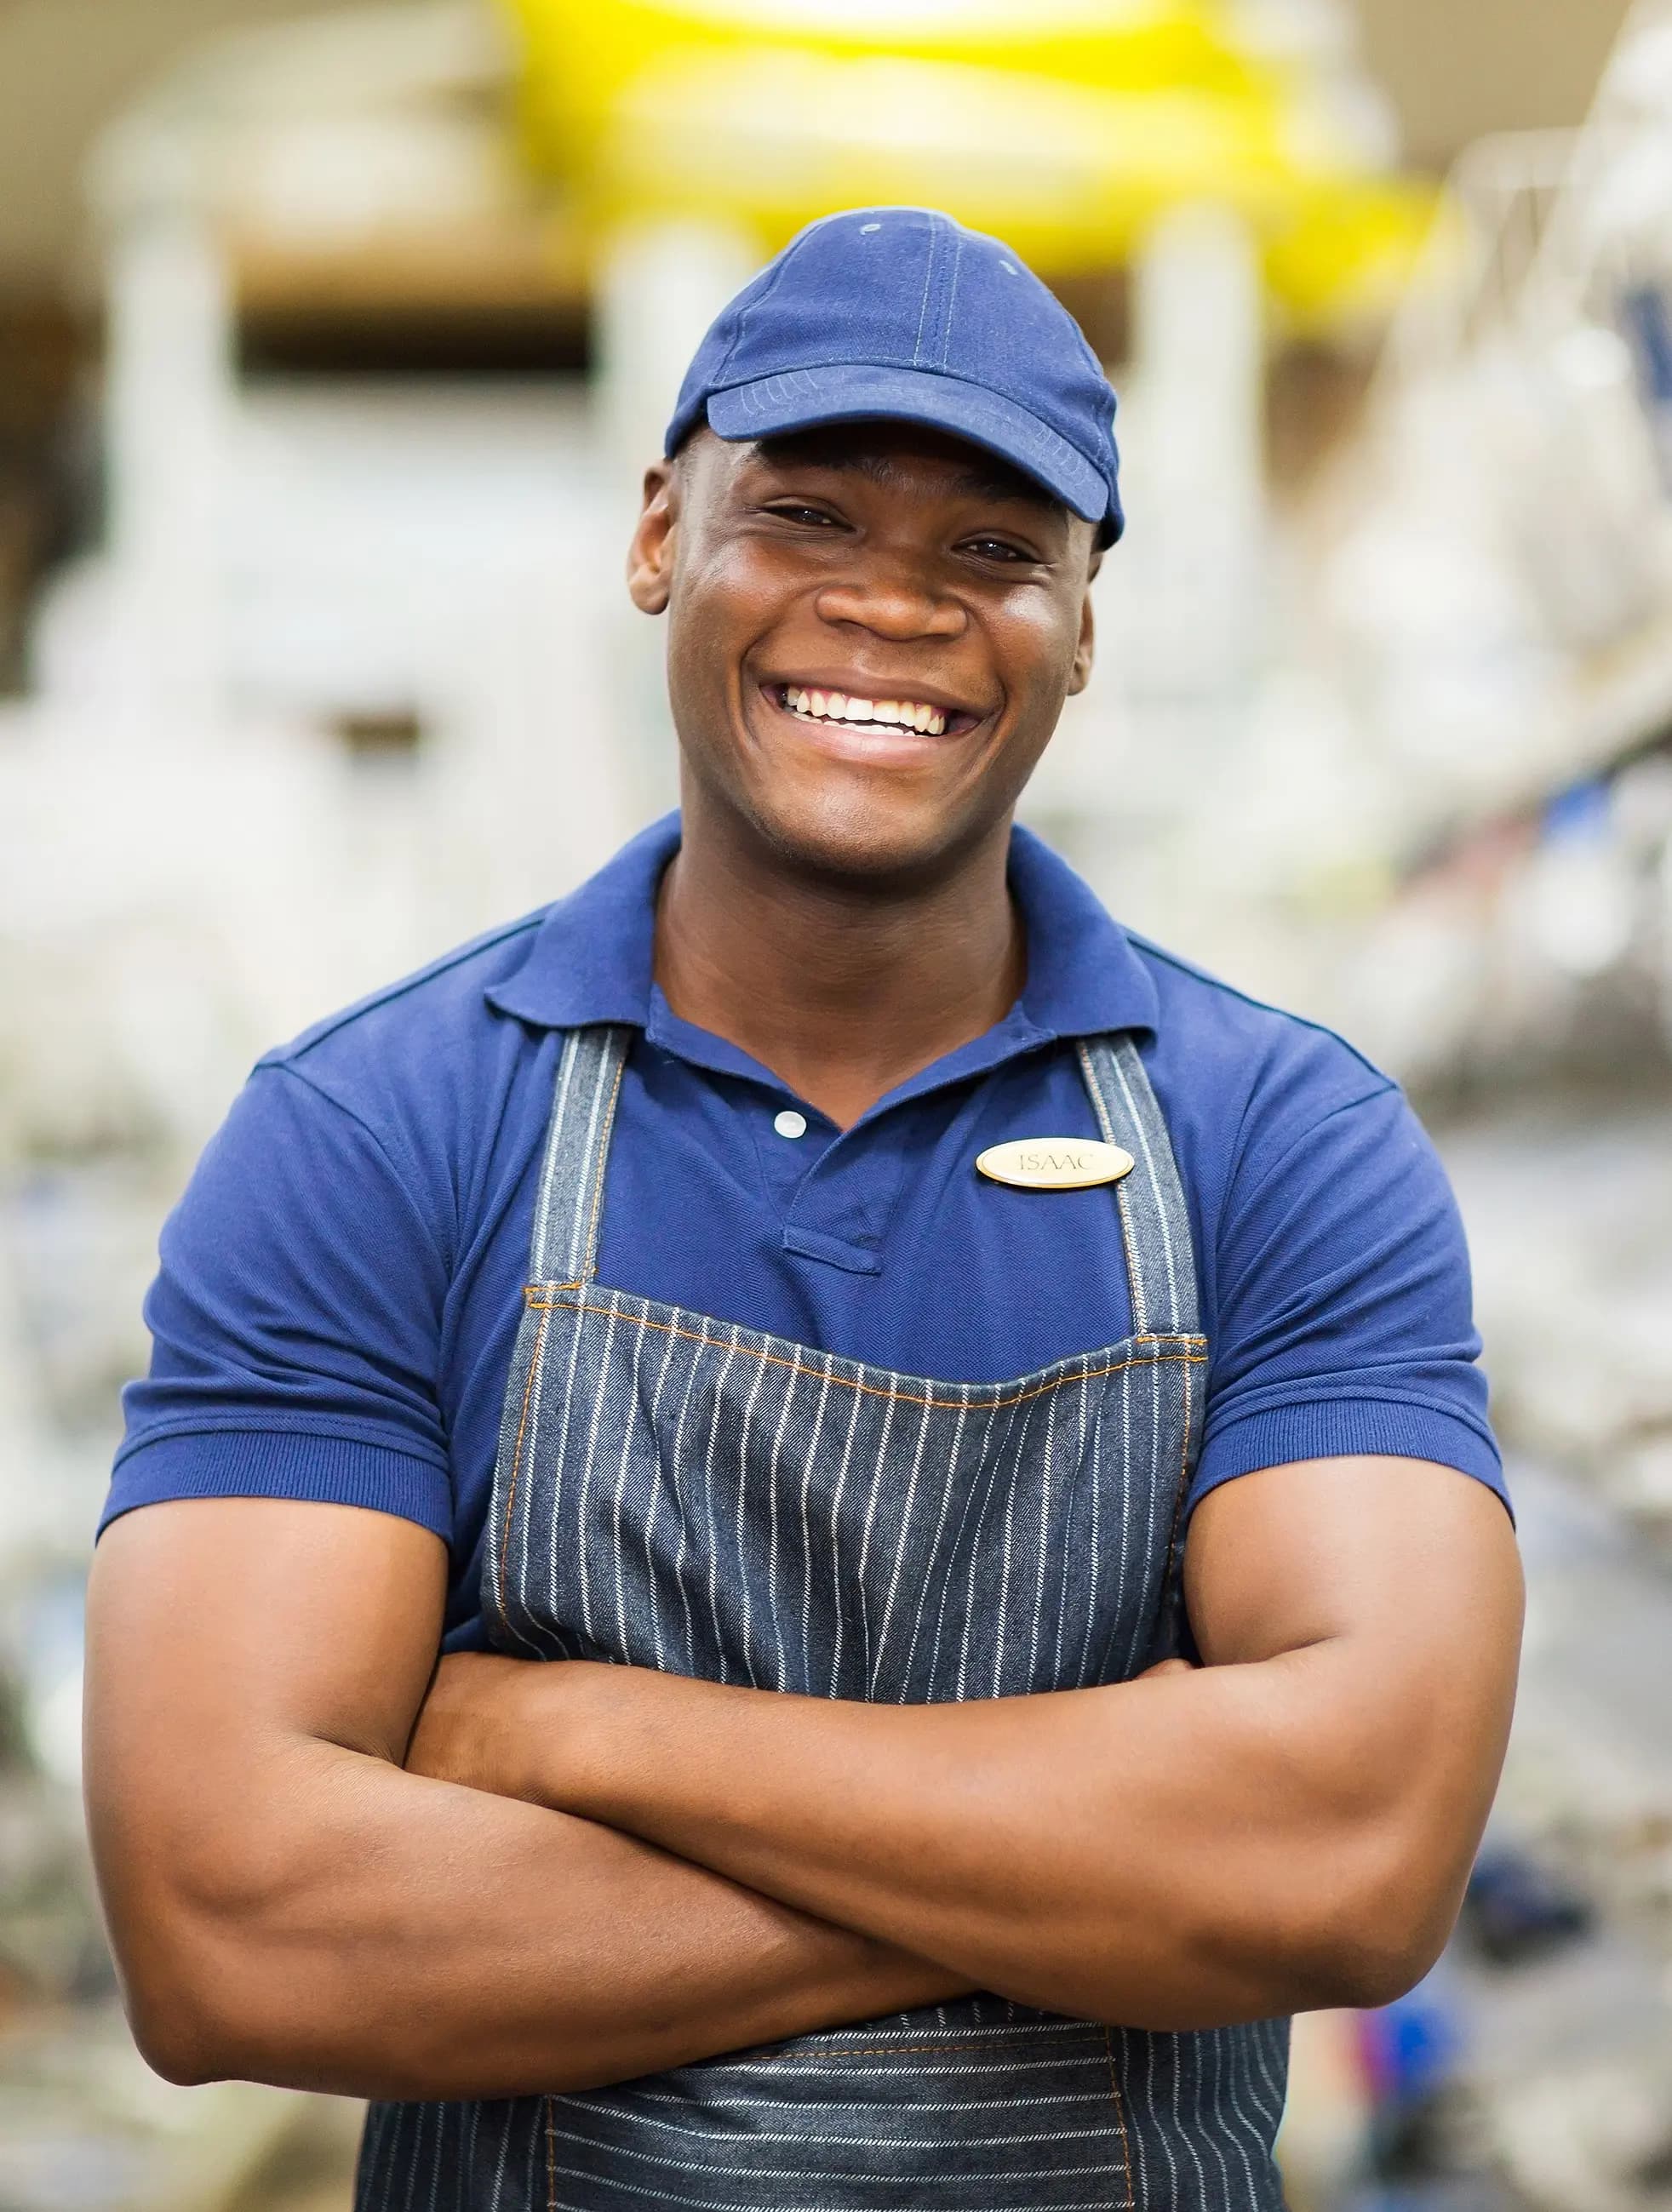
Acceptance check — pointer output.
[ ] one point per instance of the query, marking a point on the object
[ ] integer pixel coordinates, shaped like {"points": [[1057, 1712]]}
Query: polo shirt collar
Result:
{"points": [[590, 959]]}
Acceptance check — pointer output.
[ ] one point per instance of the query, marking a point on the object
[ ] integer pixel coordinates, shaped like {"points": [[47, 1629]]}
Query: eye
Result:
{"points": [[810, 518], [998, 549]]}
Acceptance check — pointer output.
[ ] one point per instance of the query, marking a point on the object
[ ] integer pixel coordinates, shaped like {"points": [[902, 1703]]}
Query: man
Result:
{"points": [[1008, 1399]]}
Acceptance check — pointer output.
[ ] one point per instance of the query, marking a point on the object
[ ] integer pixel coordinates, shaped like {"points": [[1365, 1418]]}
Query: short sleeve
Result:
{"points": [[295, 1322], [1344, 1316]]}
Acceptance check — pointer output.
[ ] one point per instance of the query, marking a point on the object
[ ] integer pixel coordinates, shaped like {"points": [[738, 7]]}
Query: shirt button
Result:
{"points": [[789, 1123]]}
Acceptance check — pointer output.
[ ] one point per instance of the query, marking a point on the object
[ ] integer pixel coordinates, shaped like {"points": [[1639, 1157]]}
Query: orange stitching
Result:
{"points": [[1178, 1502], [529, 1292], [1119, 2120], [516, 1461], [875, 1389], [550, 2155], [603, 1162], [1134, 1274]]}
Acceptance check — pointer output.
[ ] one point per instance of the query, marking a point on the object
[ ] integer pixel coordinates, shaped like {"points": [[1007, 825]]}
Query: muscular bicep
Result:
{"points": [[1393, 1588], [228, 1640], [210, 1617]]}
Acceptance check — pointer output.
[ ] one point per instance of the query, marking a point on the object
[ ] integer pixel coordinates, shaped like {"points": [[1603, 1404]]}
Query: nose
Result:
{"points": [[893, 599]]}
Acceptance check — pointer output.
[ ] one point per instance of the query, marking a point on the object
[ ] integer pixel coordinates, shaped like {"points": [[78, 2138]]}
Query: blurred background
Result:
{"points": [[332, 340]]}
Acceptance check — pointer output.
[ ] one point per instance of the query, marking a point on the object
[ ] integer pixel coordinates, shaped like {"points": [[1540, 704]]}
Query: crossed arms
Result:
{"points": [[327, 1864]]}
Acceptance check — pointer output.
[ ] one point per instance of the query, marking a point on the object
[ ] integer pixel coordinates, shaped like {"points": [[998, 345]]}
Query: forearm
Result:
{"points": [[402, 1938], [1168, 1853]]}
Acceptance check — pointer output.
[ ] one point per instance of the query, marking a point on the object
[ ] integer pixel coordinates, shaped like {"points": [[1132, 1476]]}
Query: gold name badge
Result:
{"points": [[1055, 1162]]}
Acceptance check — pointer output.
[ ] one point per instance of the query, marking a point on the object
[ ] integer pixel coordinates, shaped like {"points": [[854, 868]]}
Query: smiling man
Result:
{"points": [[984, 1415]]}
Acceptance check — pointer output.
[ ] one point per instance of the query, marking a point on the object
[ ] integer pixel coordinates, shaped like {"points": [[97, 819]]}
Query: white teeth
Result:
{"points": [[878, 713]]}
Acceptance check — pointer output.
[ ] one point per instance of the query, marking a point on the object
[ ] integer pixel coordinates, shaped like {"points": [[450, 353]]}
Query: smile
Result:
{"points": [[869, 717]]}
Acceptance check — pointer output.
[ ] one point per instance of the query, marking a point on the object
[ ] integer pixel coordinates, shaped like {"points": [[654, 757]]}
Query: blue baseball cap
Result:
{"points": [[901, 314]]}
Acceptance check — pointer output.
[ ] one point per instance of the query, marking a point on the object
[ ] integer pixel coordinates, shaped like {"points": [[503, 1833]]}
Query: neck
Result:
{"points": [[843, 990]]}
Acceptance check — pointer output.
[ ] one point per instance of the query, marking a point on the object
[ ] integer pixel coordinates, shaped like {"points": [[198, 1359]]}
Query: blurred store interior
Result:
{"points": [[332, 339]]}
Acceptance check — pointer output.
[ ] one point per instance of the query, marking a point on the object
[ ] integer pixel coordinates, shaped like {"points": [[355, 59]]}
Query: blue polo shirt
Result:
{"points": [[340, 1285]]}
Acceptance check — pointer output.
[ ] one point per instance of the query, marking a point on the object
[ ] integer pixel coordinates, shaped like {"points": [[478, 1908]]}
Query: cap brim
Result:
{"points": [[806, 398]]}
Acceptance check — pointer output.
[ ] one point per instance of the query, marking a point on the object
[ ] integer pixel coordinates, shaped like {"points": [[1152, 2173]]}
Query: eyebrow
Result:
{"points": [[976, 480]]}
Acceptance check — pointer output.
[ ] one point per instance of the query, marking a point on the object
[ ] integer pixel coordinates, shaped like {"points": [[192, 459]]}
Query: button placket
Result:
{"points": [[842, 1208]]}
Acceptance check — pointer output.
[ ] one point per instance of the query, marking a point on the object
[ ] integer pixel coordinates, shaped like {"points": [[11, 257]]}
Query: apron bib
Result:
{"points": [[681, 1493]]}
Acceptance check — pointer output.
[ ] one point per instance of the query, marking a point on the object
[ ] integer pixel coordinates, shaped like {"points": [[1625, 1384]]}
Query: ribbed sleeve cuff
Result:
{"points": [[329, 1468], [1334, 1428]]}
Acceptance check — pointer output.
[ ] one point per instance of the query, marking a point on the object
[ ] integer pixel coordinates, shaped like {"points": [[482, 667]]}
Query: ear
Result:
{"points": [[650, 557], [1085, 650]]}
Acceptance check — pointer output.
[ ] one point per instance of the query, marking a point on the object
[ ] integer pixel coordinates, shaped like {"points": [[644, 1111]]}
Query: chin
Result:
{"points": [[862, 838]]}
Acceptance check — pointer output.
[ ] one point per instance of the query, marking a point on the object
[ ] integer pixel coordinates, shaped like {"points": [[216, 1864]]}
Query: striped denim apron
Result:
{"points": [[681, 1493]]}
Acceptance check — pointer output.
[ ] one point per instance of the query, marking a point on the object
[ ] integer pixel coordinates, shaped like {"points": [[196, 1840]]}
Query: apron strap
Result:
{"points": [[1155, 1224], [564, 1255], [1161, 1267]]}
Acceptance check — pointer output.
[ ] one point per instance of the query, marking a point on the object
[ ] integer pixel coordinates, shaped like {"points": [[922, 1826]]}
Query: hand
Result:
{"points": [[476, 1725]]}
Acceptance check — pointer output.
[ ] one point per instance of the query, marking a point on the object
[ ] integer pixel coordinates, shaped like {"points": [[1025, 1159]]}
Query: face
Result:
{"points": [[872, 631]]}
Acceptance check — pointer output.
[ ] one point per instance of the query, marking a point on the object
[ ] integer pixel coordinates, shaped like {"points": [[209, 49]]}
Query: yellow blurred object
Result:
{"points": [[1066, 126], [584, 55], [1346, 254]]}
